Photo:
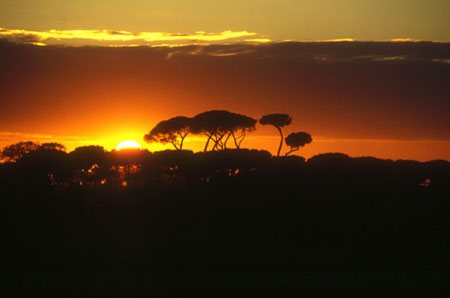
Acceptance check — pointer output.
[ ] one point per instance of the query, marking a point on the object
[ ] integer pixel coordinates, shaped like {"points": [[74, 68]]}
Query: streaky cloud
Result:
{"points": [[259, 40], [117, 38], [326, 51]]}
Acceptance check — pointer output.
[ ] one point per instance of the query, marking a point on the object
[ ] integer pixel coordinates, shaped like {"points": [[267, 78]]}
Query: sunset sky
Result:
{"points": [[363, 77], [274, 19]]}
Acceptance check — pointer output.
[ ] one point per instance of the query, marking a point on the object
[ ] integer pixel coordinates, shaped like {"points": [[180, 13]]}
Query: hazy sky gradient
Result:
{"points": [[277, 19], [386, 99]]}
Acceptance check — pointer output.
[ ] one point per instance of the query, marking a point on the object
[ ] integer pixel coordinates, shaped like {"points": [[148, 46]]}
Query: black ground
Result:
{"points": [[279, 227]]}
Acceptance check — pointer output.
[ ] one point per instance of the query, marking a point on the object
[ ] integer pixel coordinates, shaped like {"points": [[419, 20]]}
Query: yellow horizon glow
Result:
{"points": [[417, 149]]}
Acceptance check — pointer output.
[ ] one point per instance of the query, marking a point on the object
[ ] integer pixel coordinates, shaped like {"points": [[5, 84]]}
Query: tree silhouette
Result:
{"points": [[242, 124], [86, 156], [296, 140], [172, 131], [46, 164], [53, 146], [215, 125], [14, 152], [88, 165], [220, 125], [279, 121]]}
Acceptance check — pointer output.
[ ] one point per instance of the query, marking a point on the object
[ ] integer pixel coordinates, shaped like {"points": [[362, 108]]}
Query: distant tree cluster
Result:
{"points": [[92, 167], [14, 152], [219, 126]]}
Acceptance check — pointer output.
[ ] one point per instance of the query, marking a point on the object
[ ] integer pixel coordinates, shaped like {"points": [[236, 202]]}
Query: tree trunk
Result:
{"points": [[215, 145], [217, 142], [207, 143], [241, 138], [182, 140], [235, 142], [175, 145], [226, 140], [238, 140], [292, 150], [281, 142]]}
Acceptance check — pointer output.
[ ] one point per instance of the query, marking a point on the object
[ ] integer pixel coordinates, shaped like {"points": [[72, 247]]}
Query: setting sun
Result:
{"points": [[128, 145]]}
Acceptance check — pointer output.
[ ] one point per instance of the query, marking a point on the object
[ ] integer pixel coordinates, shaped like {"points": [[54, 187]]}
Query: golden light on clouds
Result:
{"points": [[259, 40], [124, 38]]}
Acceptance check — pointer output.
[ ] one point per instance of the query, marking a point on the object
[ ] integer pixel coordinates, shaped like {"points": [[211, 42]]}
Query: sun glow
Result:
{"points": [[128, 145]]}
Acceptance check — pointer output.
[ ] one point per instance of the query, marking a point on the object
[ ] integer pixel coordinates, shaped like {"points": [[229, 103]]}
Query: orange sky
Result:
{"points": [[388, 99], [422, 150]]}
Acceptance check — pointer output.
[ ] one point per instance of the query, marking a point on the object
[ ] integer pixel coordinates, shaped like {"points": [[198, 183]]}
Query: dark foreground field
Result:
{"points": [[229, 226]]}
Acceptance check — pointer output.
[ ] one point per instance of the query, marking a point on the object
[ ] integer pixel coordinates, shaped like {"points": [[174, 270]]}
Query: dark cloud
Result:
{"points": [[115, 32], [390, 90], [337, 51], [20, 39]]}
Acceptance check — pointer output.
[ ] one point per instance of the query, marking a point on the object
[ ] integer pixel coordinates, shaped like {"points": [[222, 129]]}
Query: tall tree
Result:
{"points": [[219, 126], [296, 140], [173, 131], [215, 125], [279, 121]]}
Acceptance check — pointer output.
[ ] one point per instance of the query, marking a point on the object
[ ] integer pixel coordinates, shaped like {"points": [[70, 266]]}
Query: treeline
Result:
{"points": [[92, 167]]}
